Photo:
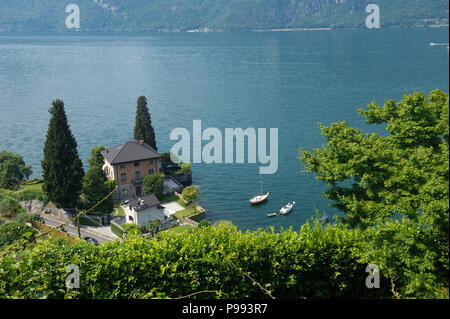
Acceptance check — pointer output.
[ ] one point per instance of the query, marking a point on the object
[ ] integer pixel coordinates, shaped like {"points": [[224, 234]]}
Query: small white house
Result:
{"points": [[142, 210]]}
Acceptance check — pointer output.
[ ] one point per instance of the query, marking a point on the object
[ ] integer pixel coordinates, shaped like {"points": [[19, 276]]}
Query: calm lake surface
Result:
{"points": [[285, 80]]}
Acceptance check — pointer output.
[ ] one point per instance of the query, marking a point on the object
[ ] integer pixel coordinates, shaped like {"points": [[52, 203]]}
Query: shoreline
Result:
{"points": [[207, 30]]}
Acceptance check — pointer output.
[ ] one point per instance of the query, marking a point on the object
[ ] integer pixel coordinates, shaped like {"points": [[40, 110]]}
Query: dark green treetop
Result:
{"points": [[143, 129], [96, 158]]}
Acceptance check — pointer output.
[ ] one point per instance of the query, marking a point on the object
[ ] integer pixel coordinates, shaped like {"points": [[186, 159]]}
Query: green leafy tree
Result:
{"points": [[143, 129], [168, 166], [397, 187], [95, 188], [62, 167], [404, 173], [153, 226], [12, 170], [190, 194], [8, 206], [153, 184], [96, 158], [186, 168]]}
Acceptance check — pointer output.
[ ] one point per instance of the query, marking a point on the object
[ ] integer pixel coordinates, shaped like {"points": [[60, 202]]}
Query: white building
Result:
{"points": [[142, 210]]}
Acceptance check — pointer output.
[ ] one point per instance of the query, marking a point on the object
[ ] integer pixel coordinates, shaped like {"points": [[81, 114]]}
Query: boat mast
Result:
{"points": [[261, 181]]}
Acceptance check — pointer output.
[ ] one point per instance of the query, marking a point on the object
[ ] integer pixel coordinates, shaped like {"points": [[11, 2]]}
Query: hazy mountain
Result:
{"points": [[182, 15]]}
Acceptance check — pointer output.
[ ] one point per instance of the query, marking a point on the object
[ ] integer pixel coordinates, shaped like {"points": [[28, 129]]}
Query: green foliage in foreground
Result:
{"points": [[12, 231], [312, 263], [375, 180]]}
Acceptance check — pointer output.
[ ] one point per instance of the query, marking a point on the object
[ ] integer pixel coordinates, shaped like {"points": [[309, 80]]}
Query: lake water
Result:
{"points": [[285, 80]]}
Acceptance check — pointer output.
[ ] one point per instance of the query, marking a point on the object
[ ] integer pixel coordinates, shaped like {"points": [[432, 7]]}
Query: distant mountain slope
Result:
{"points": [[182, 15]]}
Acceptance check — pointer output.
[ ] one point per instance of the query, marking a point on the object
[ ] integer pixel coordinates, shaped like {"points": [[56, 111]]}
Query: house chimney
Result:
{"points": [[141, 142]]}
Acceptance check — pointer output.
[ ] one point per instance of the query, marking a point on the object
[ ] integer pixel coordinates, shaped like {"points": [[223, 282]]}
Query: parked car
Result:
{"points": [[91, 240], [61, 228]]}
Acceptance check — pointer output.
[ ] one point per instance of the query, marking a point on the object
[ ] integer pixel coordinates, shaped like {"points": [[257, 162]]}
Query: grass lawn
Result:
{"points": [[180, 229], [120, 211], [187, 212], [169, 198], [37, 187]]}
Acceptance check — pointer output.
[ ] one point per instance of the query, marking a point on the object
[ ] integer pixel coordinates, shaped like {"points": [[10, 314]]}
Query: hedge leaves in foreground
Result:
{"points": [[315, 262]]}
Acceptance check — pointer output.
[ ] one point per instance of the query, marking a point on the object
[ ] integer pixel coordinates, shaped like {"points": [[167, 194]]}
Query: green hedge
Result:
{"points": [[116, 230], [313, 263], [90, 221]]}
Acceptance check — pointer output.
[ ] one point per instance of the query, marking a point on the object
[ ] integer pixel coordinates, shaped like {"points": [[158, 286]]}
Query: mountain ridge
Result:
{"points": [[216, 15]]}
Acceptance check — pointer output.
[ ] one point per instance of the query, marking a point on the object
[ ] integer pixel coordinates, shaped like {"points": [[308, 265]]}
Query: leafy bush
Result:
{"points": [[204, 223], [186, 168], [116, 230], [8, 205], [190, 194], [31, 194], [13, 231], [12, 170], [90, 221], [154, 184], [25, 217], [313, 263], [132, 229]]}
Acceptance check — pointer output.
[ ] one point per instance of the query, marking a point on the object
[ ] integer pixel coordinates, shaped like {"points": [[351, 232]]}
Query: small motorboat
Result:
{"points": [[271, 214], [324, 219], [287, 208], [259, 199]]}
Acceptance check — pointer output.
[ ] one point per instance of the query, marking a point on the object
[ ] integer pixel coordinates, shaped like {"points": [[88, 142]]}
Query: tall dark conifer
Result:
{"points": [[143, 129], [62, 167]]}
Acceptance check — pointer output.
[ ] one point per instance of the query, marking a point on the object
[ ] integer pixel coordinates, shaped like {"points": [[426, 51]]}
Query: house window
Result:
{"points": [[136, 164], [122, 166], [130, 218], [125, 192], [150, 162], [150, 171], [123, 177], [137, 176]]}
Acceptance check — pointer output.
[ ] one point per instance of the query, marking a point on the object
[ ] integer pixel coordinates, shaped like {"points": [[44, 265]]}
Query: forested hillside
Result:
{"points": [[183, 15]]}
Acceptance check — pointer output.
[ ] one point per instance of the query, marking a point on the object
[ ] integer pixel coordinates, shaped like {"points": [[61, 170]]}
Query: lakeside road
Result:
{"points": [[72, 230]]}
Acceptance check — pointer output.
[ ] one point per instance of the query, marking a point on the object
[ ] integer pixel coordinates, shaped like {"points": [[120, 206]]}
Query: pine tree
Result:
{"points": [[62, 167], [143, 129]]}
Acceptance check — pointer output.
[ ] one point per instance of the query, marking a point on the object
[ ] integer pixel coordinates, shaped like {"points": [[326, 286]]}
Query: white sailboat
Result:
{"points": [[260, 198]]}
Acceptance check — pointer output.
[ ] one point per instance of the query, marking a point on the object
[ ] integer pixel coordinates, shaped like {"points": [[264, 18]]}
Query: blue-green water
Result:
{"points": [[287, 80]]}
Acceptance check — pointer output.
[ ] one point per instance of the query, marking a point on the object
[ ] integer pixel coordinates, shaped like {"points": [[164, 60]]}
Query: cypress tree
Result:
{"points": [[62, 167], [143, 129]]}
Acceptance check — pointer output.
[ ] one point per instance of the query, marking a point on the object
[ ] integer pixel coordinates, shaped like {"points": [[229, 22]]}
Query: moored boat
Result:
{"points": [[259, 199], [271, 214], [287, 208]]}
